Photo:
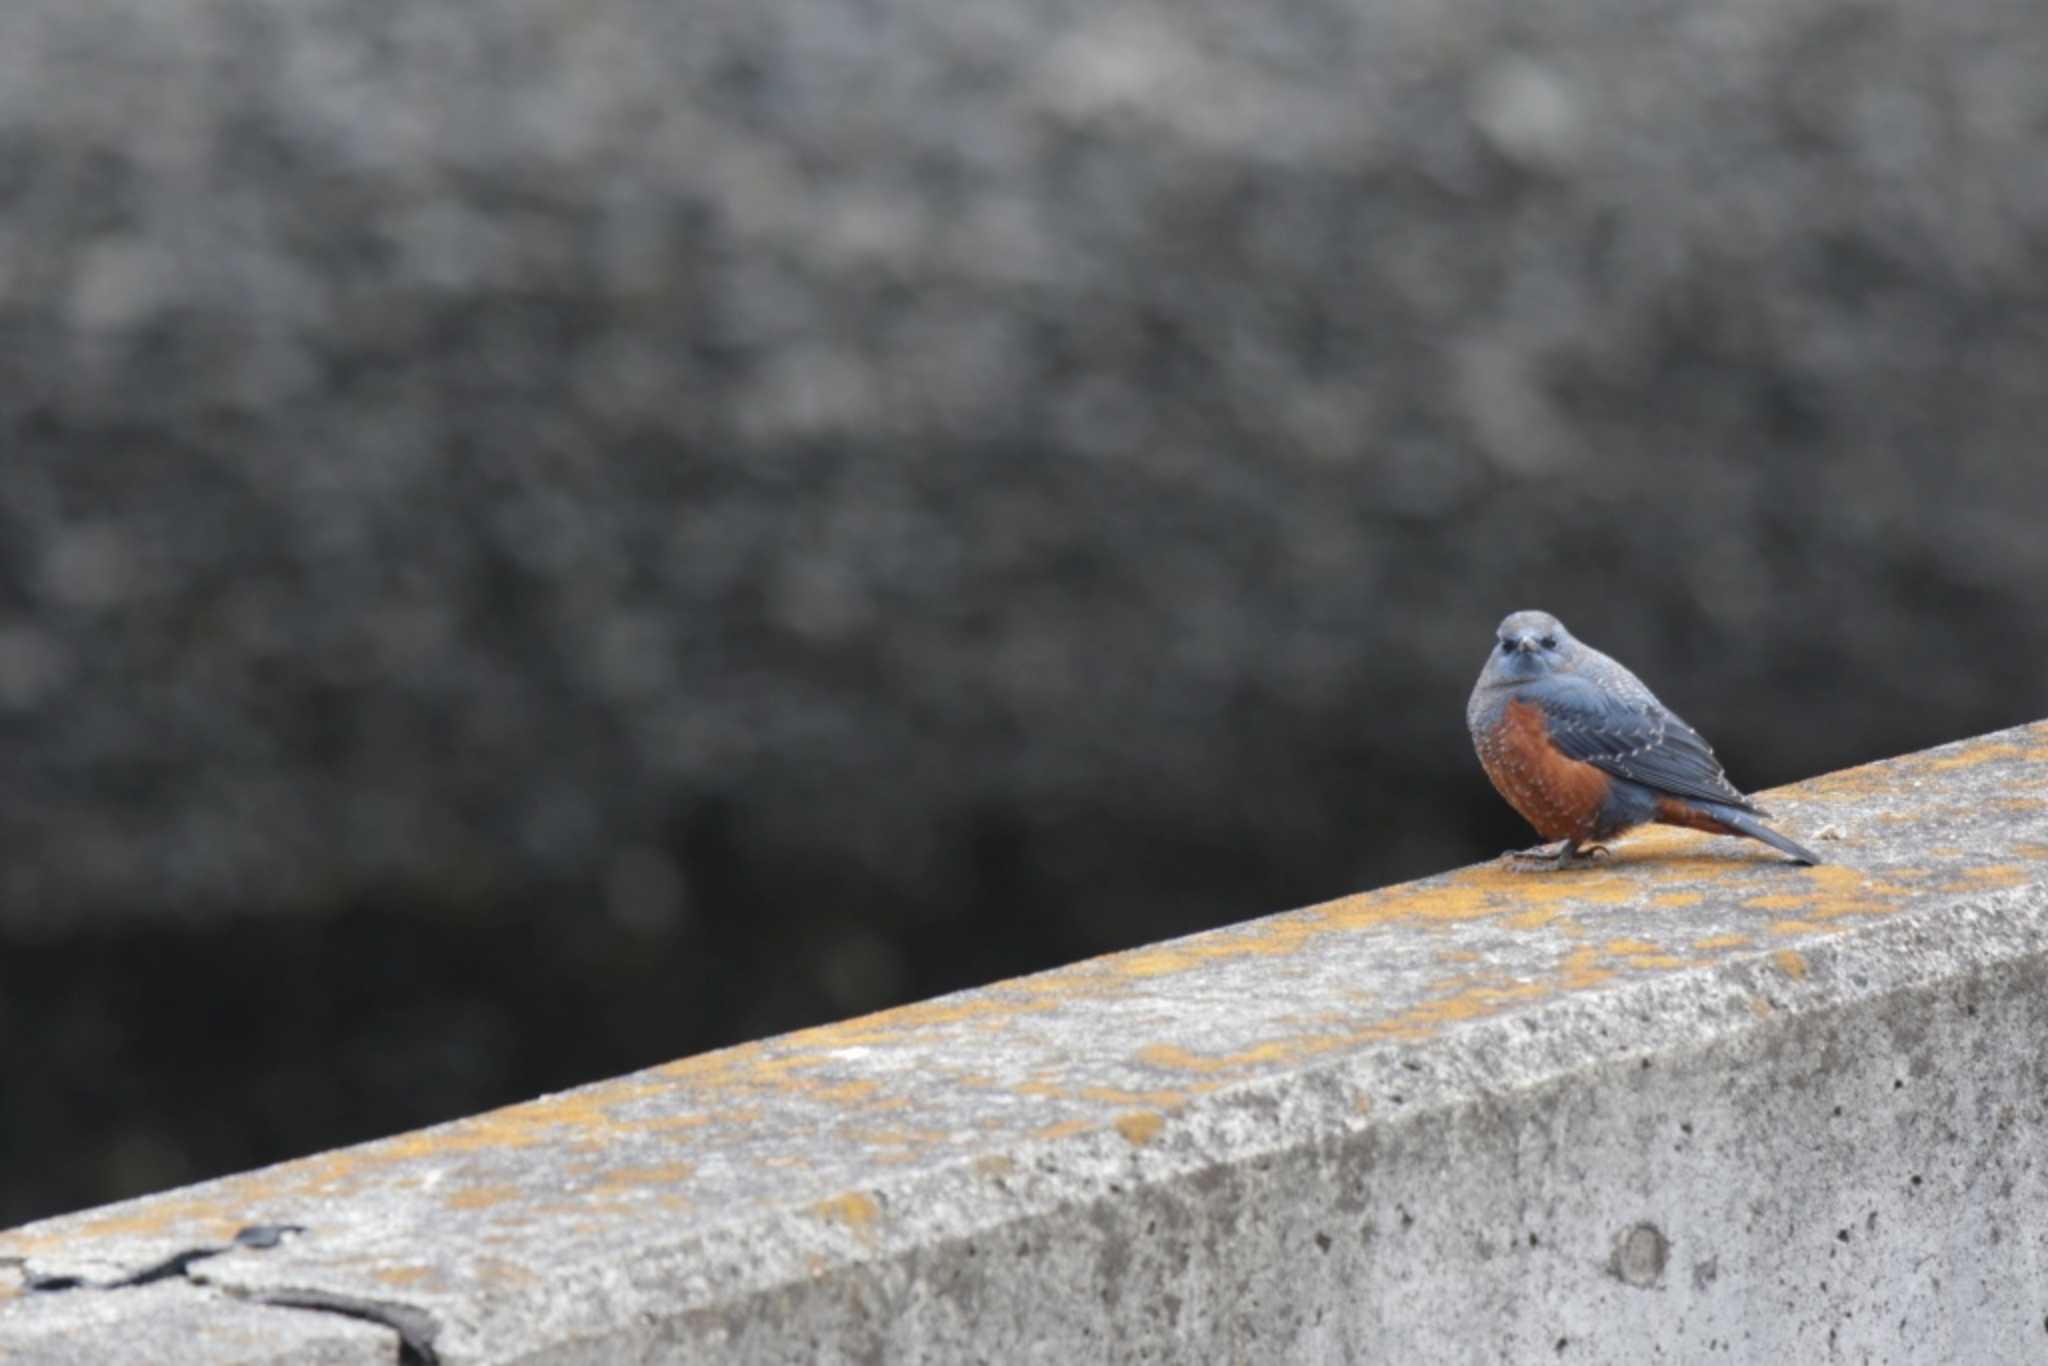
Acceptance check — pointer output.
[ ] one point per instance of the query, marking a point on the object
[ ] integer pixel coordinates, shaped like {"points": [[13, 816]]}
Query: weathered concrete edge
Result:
{"points": [[698, 1283], [707, 1281], [710, 1281]]}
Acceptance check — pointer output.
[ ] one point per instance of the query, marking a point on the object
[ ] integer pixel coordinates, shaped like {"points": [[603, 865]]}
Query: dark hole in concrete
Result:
{"points": [[1639, 1255]]}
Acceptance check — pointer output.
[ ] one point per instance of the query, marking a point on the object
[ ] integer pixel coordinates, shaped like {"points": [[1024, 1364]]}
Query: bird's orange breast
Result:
{"points": [[1559, 796]]}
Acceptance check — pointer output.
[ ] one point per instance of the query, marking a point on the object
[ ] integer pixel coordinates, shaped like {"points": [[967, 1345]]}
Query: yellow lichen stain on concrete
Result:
{"points": [[406, 1277], [1641, 954], [1535, 918], [845, 1092], [1140, 1126], [854, 1210], [1793, 927], [1428, 1018], [482, 1197], [1790, 962], [1993, 875], [1581, 969], [1278, 937], [1110, 1095], [633, 1178], [1722, 941], [1972, 755], [1157, 962], [1832, 891], [1760, 1007], [1176, 1058], [994, 1165], [894, 1138], [1067, 1128], [1674, 900], [1463, 955], [1865, 780]]}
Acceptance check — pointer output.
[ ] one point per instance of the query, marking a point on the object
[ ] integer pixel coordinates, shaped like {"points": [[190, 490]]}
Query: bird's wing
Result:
{"points": [[1632, 739]]}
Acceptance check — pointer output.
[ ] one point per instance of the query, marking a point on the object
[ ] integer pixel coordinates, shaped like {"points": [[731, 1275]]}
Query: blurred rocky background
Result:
{"points": [[539, 538]]}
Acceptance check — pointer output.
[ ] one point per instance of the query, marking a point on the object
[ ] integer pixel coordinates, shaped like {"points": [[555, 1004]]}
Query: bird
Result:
{"points": [[1584, 750]]}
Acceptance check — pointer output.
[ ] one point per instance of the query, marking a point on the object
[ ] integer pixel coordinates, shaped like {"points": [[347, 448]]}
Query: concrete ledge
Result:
{"points": [[1693, 1104]]}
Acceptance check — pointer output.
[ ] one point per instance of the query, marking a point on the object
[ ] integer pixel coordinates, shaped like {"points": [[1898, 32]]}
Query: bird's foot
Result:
{"points": [[1562, 854]]}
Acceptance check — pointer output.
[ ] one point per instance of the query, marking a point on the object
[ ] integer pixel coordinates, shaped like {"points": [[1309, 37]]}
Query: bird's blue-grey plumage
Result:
{"points": [[1598, 713]]}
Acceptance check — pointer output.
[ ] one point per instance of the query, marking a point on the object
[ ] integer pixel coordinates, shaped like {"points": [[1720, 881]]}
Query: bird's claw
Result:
{"points": [[1562, 854]]}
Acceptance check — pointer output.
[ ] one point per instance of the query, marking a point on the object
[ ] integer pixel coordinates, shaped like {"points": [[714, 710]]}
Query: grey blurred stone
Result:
{"points": [[446, 449]]}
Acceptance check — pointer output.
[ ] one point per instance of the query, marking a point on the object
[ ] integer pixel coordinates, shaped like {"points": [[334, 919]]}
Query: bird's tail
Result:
{"points": [[1721, 819], [1741, 823]]}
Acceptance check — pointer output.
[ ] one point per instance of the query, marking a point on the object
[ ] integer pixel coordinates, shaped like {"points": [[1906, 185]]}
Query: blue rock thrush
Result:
{"points": [[1584, 751]]}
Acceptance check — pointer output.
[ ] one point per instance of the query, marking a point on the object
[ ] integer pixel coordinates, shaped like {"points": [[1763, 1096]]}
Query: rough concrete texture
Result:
{"points": [[1693, 1104]]}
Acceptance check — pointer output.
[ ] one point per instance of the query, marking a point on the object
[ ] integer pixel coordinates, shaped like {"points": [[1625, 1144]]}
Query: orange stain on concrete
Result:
{"points": [[1110, 1095], [1140, 1126], [1722, 941], [1993, 875], [1581, 968], [1473, 1003], [1179, 1059], [482, 1197], [659, 1174], [1973, 755], [1790, 962], [1067, 1128], [854, 1210]]}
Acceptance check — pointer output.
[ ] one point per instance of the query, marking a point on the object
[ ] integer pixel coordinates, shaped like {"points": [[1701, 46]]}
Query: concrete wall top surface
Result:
{"points": [[1692, 1095]]}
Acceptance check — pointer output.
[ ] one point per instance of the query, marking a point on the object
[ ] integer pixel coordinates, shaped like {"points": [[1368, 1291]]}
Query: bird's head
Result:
{"points": [[1529, 645]]}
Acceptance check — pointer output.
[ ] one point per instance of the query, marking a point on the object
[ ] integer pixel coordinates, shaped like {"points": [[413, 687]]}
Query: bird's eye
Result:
{"points": [[1550, 642], [1507, 647]]}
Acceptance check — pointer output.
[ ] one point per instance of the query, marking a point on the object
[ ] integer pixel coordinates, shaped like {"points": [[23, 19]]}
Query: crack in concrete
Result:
{"points": [[415, 1328]]}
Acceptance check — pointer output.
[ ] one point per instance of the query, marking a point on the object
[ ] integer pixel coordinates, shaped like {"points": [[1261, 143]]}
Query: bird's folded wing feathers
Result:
{"points": [[1632, 739]]}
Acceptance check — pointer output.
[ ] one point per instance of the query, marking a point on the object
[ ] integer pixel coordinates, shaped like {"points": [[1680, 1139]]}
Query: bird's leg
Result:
{"points": [[1542, 856]]}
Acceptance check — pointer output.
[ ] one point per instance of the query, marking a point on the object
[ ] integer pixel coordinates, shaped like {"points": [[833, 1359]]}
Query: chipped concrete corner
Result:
{"points": [[1691, 1103]]}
